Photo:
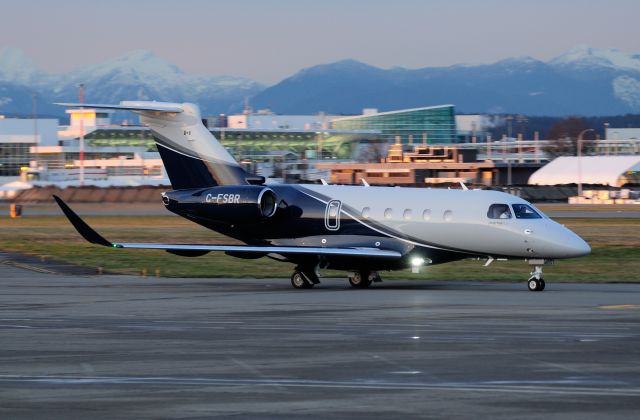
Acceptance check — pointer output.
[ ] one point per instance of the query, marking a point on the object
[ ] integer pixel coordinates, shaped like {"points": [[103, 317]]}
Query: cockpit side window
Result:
{"points": [[499, 211], [523, 211]]}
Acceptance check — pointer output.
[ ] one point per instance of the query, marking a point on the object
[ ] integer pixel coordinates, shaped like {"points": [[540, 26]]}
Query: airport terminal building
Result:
{"points": [[429, 125], [18, 135]]}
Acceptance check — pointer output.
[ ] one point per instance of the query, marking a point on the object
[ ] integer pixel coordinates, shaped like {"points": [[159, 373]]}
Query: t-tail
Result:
{"points": [[192, 156]]}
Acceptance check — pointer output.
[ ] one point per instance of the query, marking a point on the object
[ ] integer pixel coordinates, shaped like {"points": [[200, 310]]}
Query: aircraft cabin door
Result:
{"points": [[332, 215]]}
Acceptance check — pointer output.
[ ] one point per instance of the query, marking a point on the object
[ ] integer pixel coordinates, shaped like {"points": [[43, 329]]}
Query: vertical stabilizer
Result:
{"points": [[192, 156]]}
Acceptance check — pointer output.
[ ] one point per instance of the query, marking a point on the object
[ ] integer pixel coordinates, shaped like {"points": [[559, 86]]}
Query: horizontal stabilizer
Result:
{"points": [[132, 106], [95, 238]]}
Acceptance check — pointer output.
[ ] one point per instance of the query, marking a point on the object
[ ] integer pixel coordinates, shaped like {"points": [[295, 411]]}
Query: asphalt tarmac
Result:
{"points": [[76, 347]]}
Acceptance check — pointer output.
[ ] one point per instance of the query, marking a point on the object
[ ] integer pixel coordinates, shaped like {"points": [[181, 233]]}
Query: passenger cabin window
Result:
{"points": [[499, 211], [426, 215], [407, 214], [448, 216], [388, 213], [522, 211], [366, 212]]}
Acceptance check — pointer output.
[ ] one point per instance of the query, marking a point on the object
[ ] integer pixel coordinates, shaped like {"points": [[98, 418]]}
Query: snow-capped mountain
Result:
{"points": [[619, 71], [142, 75], [16, 67], [136, 75], [584, 80], [587, 58]]}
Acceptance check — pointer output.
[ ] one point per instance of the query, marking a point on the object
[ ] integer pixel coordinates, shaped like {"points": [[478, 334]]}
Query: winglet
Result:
{"points": [[83, 229], [364, 182], [464, 187]]}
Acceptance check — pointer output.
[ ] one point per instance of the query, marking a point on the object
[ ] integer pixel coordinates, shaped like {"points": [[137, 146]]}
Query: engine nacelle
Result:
{"points": [[226, 203]]}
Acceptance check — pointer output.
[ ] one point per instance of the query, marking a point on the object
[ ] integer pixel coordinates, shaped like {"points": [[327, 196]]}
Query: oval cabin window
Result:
{"points": [[448, 216], [366, 212], [426, 215], [388, 213], [407, 214]]}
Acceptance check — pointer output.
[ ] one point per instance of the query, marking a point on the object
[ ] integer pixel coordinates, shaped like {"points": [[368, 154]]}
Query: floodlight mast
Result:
{"points": [[81, 100], [579, 145]]}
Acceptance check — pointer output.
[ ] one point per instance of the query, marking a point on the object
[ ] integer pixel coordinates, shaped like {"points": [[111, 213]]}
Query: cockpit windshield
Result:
{"points": [[523, 211], [499, 211]]}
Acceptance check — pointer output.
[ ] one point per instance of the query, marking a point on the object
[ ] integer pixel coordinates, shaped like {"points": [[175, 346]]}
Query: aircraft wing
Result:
{"points": [[95, 238]]}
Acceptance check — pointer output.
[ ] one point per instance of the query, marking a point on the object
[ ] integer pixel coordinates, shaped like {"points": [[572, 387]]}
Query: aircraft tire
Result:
{"points": [[360, 279], [374, 277], [542, 285], [534, 285], [298, 281]]}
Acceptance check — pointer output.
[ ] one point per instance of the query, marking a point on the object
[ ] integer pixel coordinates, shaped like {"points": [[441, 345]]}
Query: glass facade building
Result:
{"points": [[17, 135], [435, 124], [14, 156]]}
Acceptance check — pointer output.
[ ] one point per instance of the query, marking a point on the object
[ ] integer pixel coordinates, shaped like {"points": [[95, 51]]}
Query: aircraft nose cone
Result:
{"points": [[558, 241], [581, 248], [575, 246]]}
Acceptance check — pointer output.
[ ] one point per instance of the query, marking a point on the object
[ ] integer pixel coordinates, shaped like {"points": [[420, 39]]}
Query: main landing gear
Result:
{"points": [[363, 279], [307, 278], [304, 279], [536, 282]]}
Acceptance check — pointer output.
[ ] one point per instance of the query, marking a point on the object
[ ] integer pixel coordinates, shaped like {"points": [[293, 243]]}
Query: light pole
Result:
{"points": [[580, 159], [81, 99], [605, 137]]}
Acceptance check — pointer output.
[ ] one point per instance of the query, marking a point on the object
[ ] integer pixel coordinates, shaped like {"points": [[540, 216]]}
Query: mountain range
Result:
{"points": [[582, 81], [137, 75]]}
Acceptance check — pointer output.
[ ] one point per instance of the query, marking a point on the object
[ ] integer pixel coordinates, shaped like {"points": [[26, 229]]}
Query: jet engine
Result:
{"points": [[229, 203], [239, 203]]}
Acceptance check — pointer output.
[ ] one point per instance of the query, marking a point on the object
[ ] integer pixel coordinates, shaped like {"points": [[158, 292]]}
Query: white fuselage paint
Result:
{"points": [[453, 219]]}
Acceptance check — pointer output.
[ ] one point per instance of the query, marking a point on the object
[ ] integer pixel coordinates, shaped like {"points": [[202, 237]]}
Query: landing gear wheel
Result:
{"points": [[534, 285], [299, 281], [536, 282], [374, 277], [360, 279]]}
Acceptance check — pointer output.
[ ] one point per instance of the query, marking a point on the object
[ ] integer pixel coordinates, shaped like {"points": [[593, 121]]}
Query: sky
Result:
{"points": [[270, 40]]}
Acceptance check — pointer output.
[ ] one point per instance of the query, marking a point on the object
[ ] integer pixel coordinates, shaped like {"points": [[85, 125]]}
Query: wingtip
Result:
{"points": [[80, 225]]}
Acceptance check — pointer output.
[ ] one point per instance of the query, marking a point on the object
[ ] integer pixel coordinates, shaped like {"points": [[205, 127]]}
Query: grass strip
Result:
{"points": [[615, 256]]}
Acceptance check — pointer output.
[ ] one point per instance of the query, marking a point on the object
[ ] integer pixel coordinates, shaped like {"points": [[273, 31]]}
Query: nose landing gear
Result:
{"points": [[536, 285], [536, 282]]}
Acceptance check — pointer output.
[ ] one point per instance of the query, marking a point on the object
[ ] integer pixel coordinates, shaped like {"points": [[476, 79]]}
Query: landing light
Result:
{"points": [[417, 261]]}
